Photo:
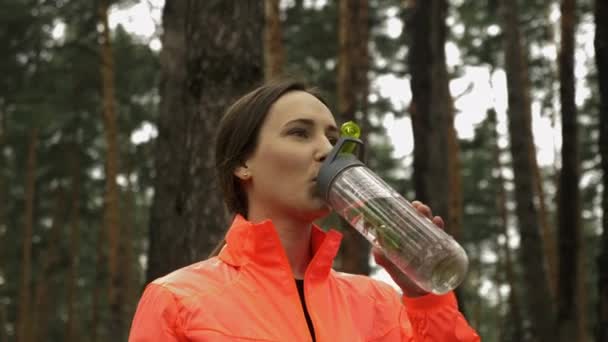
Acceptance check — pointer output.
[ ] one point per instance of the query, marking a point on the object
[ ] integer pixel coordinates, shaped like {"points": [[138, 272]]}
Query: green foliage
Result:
{"points": [[53, 84]]}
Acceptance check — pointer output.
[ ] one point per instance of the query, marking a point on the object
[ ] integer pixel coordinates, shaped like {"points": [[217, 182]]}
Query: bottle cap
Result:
{"points": [[335, 163]]}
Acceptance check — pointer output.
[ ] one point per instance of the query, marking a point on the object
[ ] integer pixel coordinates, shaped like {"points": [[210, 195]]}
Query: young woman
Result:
{"points": [[272, 280]]}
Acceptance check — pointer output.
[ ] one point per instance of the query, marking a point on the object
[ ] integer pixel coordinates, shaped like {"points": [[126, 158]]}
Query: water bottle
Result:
{"points": [[422, 251]]}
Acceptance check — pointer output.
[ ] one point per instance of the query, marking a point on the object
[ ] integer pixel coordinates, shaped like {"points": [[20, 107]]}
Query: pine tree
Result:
{"points": [[520, 132], [212, 53]]}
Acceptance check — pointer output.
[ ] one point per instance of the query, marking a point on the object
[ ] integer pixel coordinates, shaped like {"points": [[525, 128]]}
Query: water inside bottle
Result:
{"points": [[422, 252]]}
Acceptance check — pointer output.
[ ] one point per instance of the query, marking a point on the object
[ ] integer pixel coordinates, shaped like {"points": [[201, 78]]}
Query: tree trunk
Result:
{"points": [[274, 54], [97, 306], [474, 284], [568, 312], [24, 318], [431, 108], [352, 85], [547, 231], [3, 225], [347, 40], [455, 206], [601, 60], [44, 300], [501, 203], [436, 176], [3, 321], [132, 281], [111, 196], [540, 306], [72, 279], [212, 53], [500, 302], [363, 65]]}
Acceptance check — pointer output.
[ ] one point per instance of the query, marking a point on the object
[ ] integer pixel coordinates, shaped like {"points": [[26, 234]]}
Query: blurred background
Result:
{"points": [[493, 112]]}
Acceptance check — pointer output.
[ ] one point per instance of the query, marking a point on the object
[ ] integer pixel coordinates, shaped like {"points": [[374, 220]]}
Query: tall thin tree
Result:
{"points": [[212, 53], [44, 293], [274, 53], [111, 195], [352, 99], [601, 61], [132, 280], [539, 303], [24, 321], [97, 305], [569, 207], [432, 111], [3, 226], [513, 312], [71, 331]]}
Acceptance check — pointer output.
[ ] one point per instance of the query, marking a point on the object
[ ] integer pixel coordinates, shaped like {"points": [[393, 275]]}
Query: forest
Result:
{"points": [[492, 112]]}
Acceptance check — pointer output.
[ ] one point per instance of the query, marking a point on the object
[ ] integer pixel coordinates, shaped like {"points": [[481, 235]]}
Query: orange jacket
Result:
{"points": [[248, 293]]}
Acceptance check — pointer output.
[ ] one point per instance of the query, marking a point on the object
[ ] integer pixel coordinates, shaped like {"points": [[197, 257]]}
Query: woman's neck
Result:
{"points": [[295, 238]]}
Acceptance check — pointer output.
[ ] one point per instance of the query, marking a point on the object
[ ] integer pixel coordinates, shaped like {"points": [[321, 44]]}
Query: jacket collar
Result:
{"points": [[259, 244]]}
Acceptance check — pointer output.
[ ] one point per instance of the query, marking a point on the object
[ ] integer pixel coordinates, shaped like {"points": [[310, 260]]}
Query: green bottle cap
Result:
{"points": [[352, 130]]}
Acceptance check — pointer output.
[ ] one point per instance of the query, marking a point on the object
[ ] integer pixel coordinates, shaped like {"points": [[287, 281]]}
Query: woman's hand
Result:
{"points": [[409, 288]]}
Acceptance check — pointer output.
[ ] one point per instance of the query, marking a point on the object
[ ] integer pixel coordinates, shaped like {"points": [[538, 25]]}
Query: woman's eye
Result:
{"points": [[299, 132], [332, 140]]}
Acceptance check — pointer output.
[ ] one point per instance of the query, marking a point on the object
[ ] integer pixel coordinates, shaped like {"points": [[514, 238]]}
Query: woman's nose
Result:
{"points": [[323, 150]]}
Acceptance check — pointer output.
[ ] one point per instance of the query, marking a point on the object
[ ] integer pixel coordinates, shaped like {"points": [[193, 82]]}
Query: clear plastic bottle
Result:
{"points": [[424, 252]]}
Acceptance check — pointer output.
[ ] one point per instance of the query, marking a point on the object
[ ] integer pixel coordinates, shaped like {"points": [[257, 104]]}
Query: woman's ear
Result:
{"points": [[242, 172]]}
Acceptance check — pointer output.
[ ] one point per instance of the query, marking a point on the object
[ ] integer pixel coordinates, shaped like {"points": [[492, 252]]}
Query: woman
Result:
{"points": [[272, 281]]}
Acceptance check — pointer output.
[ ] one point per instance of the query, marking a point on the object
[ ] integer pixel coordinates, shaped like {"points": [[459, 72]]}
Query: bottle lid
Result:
{"points": [[335, 163]]}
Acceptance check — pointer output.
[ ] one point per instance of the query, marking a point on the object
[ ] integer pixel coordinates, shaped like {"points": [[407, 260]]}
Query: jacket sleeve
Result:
{"points": [[157, 317], [435, 318]]}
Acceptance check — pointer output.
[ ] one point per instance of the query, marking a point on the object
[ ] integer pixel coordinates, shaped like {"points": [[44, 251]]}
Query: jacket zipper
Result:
{"points": [[310, 314]]}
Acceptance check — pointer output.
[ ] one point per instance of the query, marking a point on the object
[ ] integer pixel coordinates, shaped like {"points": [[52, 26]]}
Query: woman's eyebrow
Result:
{"points": [[306, 122], [310, 122]]}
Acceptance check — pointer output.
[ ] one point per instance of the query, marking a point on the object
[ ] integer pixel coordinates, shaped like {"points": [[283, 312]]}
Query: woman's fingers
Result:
{"points": [[438, 221], [426, 211], [423, 209]]}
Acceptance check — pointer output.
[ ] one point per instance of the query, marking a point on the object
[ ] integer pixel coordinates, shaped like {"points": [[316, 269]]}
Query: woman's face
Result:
{"points": [[294, 139]]}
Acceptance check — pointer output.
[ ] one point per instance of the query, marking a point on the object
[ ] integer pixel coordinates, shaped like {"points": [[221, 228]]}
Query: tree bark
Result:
{"points": [[432, 109], [347, 40], [212, 53], [601, 61], [72, 278], [97, 306], [3, 335], [569, 312], [539, 303], [500, 302], [111, 196], [547, 231], [132, 281], [363, 65], [24, 318], [436, 175], [352, 94], [455, 206], [274, 54], [44, 299], [3, 223], [501, 203]]}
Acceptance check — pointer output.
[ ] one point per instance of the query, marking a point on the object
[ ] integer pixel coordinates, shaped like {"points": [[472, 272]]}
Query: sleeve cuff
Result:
{"points": [[430, 301]]}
